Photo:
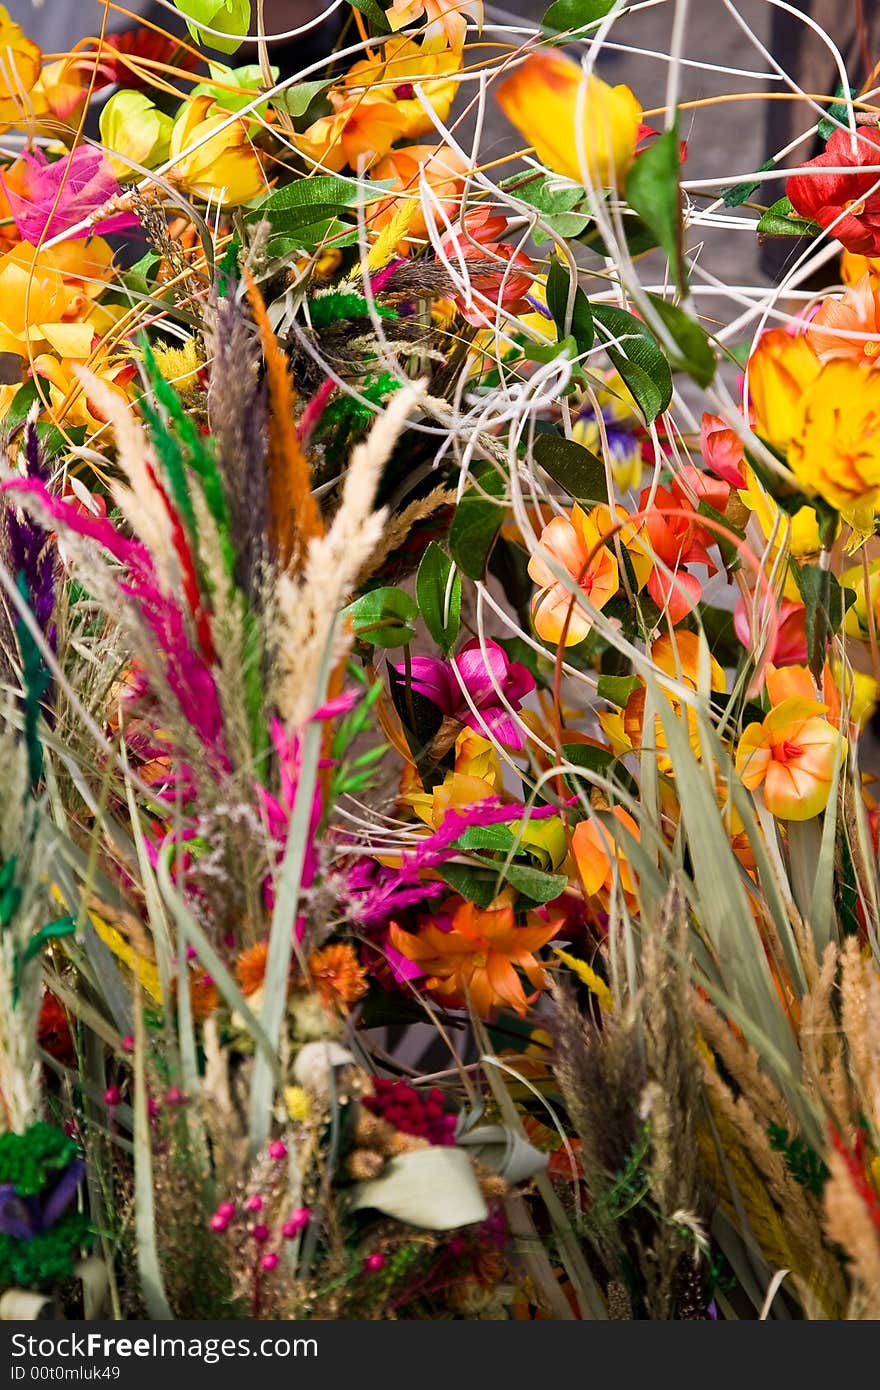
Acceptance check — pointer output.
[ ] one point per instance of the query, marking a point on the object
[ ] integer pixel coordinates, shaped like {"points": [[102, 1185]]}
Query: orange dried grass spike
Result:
{"points": [[295, 517]]}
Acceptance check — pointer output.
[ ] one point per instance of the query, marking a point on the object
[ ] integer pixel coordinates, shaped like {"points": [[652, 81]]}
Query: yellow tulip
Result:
{"points": [[780, 369], [392, 77], [214, 158], [546, 97], [42, 300]]}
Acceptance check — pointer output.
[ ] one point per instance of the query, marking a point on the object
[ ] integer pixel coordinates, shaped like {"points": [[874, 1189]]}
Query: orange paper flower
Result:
{"points": [[478, 959], [792, 754], [573, 544]]}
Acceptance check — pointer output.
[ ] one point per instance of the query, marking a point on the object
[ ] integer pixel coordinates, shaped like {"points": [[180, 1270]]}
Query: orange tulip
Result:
{"points": [[548, 96], [574, 545], [792, 754], [442, 170], [478, 958]]}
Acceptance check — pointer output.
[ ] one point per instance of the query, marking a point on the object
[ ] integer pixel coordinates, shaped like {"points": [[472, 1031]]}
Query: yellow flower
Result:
{"points": [[475, 777], [135, 131], [299, 1107], [835, 447], [180, 365], [792, 754], [214, 158], [859, 690], [19, 69], [393, 77], [804, 537], [854, 266], [779, 371], [47, 298], [856, 622], [548, 94]]}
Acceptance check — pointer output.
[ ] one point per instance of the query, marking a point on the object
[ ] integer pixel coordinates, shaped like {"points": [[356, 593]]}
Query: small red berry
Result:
{"points": [[375, 1262], [174, 1096], [278, 1149], [269, 1261], [127, 1043], [219, 1222], [112, 1096], [260, 1234], [254, 1203]]}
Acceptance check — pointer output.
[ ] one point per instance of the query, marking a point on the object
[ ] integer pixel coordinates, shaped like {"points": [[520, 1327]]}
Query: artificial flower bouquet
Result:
{"points": [[438, 849]]}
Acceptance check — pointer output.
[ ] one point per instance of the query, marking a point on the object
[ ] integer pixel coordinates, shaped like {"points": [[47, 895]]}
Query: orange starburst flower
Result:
{"points": [[478, 959], [574, 545], [250, 968], [338, 974]]}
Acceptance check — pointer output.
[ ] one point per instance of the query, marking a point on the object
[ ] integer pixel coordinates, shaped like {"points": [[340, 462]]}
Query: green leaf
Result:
{"points": [[601, 761], [782, 220], [321, 192], [581, 326], [578, 470], [836, 115], [247, 79], [231, 17], [487, 837], [331, 232], [575, 14], [638, 359], [738, 193], [62, 926], [826, 604], [21, 403], [534, 883], [479, 886], [296, 100], [696, 356], [477, 522], [374, 13], [653, 192], [617, 689], [437, 583], [382, 617]]}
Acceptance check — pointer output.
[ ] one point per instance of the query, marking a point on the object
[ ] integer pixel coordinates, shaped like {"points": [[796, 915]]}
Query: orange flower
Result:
{"points": [[575, 545], [356, 133], [478, 958], [446, 20], [47, 298], [442, 170], [338, 974], [792, 754], [250, 968], [677, 657], [597, 855], [857, 312]]}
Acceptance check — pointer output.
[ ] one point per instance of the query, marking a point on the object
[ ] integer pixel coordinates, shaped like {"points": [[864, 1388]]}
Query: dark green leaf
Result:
{"points": [[477, 522], [321, 191], [601, 761], [738, 193], [374, 13], [432, 586], [638, 359], [836, 116], [22, 401], [617, 689], [652, 191], [581, 326], [62, 926], [696, 356], [296, 100], [382, 617], [782, 220], [497, 837], [575, 468], [478, 886]]}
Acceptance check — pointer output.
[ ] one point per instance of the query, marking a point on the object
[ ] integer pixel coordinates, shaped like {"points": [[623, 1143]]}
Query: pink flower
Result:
{"points": [[790, 647], [483, 677], [82, 182]]}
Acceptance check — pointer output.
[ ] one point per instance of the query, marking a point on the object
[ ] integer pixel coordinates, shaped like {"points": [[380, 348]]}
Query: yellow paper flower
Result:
{"points": [[835, 447], [214, 158], [20, 60], [47, 299], [792, 754], [545, 99]]}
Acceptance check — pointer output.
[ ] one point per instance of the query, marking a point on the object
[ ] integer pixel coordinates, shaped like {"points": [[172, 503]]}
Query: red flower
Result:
{"points": [[140, 44], [53, 1031], [507, 285], [676, 539], [852, 197]]}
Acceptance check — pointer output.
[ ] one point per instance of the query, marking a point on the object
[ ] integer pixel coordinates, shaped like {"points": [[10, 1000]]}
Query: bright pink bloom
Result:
{"points": [[482, 677], [86, 183], [790, 647], [853, 197]]}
